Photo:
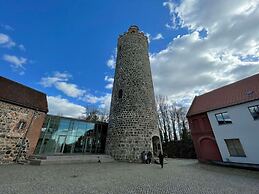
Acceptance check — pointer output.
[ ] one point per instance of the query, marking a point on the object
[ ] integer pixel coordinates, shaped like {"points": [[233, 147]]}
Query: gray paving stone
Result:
{"points": [[178, 176]]}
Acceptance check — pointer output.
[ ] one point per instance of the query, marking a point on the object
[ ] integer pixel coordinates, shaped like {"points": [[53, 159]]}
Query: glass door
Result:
{"points": [[60, 144]]}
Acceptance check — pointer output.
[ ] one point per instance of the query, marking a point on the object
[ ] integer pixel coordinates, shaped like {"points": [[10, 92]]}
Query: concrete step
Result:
{"points": [[237, 165], [71, 159]]}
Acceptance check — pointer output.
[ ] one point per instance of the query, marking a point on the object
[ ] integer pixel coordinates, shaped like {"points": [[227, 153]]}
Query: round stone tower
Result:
{"points": [[132, 125]]}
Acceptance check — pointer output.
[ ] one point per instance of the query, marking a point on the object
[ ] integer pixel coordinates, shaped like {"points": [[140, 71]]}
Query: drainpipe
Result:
{"points": [[24, 138]]}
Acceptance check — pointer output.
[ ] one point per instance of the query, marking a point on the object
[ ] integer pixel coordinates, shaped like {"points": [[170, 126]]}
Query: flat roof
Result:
{"points": [[18, 94], [77, 119]]}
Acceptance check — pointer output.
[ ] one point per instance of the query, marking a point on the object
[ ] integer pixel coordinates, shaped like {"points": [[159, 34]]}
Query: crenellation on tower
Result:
{"points": [[133, 30]]}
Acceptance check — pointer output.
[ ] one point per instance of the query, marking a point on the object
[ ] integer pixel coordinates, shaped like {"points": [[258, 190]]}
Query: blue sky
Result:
{"points": [[74, 36], [67, 48]]}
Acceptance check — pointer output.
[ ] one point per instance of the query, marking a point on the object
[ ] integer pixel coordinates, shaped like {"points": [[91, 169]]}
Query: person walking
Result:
{"points": [[149, 157], [145, 157], [161, 159]]}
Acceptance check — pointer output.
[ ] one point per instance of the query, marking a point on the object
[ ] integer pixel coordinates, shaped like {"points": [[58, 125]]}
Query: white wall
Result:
{"points": [[243, 127]]}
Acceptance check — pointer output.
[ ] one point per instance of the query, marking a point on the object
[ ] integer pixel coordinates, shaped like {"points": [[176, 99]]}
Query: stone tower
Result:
{"points": [[132, 125]]}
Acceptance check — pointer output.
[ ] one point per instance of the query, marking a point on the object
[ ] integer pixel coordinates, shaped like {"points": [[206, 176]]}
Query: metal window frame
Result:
{"points": [[243, 155], [225, 123], [251, 112]]}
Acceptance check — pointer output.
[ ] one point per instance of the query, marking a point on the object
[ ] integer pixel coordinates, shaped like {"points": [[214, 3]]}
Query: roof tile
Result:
{"points": [[236, 93]]}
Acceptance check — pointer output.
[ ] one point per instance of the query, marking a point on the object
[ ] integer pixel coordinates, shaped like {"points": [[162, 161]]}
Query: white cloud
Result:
{"points": [[57, 77], [103, 101], [21, 73], [175, 19], [6, 41], [60, 82], [7, 27], [17, 62], [21, 47], [111, 63], [168, 26], [4, 38], [110, 81], [61, 106], [158, 37], [71, 90], [90, 98], [148, 37], [216, 14], [196, 63]]}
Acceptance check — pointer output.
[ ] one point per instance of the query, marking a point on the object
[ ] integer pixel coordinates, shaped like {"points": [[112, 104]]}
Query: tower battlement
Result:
{"points": [[133, 29]]}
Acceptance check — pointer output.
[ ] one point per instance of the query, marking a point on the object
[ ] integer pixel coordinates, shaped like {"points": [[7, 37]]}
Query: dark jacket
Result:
{"points": [[161, 156]]}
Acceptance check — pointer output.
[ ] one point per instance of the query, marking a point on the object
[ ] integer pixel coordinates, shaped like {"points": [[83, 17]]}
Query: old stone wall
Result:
{"points": [[133, 119], [19, 131]]}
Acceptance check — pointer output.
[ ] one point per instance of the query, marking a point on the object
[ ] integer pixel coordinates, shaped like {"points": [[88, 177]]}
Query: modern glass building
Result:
{"points": [[61, 135]]}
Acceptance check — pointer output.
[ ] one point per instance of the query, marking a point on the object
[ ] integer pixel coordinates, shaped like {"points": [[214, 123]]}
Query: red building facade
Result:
{"points": [[203, 138]]}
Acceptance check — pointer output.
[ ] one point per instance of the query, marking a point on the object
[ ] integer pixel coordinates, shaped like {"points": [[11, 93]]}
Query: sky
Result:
{"points": [[67, 49]]}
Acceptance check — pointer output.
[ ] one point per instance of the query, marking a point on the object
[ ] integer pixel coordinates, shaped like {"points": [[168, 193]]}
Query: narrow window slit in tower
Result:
{"points": [[120, 93]]}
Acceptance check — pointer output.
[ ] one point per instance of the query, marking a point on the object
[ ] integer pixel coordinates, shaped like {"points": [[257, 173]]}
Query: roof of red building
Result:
{"points": [[236, 93], [16, 93]]}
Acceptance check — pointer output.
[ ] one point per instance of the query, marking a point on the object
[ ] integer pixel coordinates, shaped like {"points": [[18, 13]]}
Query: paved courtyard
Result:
{"points": [[178, 176]]}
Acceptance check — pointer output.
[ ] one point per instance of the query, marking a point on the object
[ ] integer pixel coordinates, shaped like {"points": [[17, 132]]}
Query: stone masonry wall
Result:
{"points": [[133, 119], [12, 139]]}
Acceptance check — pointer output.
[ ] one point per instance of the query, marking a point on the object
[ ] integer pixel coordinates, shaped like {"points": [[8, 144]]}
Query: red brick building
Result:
{"points": [[203, 138], [22, 113]]}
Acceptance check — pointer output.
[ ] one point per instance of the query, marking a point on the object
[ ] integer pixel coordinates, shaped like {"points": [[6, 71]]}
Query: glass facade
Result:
{"points": [[66, 135]]}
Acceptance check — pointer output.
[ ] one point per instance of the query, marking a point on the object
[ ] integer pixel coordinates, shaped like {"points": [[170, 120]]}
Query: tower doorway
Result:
{"points": [[156, 145]]}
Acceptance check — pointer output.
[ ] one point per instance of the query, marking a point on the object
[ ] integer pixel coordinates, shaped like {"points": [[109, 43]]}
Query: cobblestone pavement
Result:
{"points": [[177, 176]]}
